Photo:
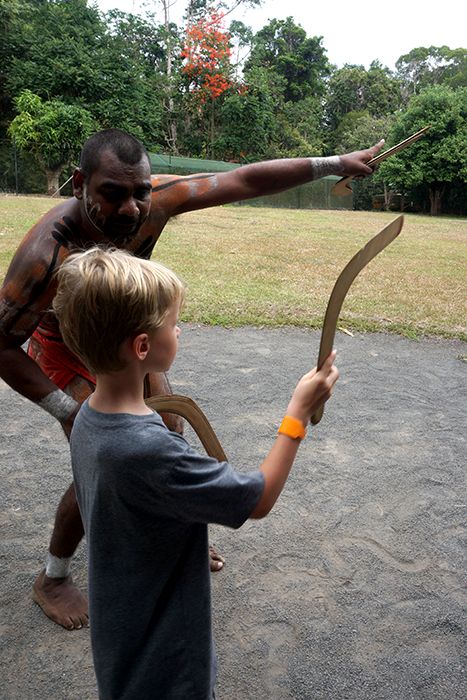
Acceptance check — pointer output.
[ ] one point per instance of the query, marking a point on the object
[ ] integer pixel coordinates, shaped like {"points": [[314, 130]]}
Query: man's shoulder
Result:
{"points": [[29, 285], [58, 225], [166, 186], [47, 242]]}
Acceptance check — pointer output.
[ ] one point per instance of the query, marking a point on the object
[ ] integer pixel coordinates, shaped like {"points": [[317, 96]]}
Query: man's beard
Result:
{"points": [[92, 212], [120, 231]]}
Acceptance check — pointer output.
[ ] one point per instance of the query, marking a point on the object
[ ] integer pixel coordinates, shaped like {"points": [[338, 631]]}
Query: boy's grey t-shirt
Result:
{"points": [[146, 497]]}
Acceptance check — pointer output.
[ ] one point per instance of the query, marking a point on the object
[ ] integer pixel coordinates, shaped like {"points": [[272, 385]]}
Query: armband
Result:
{"points": [[56, 567], [332, 165], [292, 427], [59, 405]]}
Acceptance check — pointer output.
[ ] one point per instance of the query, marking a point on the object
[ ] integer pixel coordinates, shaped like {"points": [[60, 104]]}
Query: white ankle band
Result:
{"points": [[56, 567], [326, 166]]}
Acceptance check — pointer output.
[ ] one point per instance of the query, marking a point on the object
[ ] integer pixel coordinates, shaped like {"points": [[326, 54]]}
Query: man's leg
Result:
{"points": [[54, 589], [158, 385], [56, 593]]}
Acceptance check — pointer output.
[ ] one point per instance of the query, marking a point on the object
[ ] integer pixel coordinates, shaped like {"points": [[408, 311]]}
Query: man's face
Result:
{"points": [[117, 198]]}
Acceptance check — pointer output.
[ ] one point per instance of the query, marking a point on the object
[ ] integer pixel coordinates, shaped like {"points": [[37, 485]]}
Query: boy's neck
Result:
{"points": [[119, 392]]}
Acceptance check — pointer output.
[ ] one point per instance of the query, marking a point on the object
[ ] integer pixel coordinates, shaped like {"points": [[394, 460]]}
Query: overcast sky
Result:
{"points": [[353, 31]]}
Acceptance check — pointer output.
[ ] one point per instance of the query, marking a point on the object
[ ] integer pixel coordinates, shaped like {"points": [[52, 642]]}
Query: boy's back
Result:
{"points": [[144, 494], [145, 498]]}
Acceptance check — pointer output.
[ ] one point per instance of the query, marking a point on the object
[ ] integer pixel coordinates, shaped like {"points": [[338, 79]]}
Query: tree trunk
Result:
{"points": [[172, 124], [387, 197], [212, 128], [436, 196], [53, 183]]}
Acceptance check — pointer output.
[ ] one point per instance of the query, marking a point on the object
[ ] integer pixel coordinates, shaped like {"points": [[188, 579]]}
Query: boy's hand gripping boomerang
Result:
{"points": [[342, 286]]}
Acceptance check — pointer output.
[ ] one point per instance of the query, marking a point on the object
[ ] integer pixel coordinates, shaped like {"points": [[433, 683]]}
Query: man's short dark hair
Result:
{"points": [[127, 148]]}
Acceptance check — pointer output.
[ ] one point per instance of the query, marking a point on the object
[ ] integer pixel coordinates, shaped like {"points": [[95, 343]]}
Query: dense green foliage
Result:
{"points": [[52, 131], [440, 158], [284, 48], [272, 94], [354, 89]]}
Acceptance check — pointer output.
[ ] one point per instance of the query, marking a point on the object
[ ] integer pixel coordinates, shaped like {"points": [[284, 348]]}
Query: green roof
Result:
{"points": [[167, 163]]}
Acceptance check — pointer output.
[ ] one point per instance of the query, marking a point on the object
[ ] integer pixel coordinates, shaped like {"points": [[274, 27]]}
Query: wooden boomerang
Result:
{"points": [[343, 186], [191, 412], [342, 286]]}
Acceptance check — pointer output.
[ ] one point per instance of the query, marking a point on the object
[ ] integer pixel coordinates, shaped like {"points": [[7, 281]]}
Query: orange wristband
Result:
{"points": [[292, 427]]}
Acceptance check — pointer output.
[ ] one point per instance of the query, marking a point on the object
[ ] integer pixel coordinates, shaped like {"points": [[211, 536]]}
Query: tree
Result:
{"points": [[197, 9], [284, 48], [247, 124], [382, 91], [168, 40], [439, 159], [11, 17], [435, 65], [67, 52], [129, 92], [206, 54], [53, 131], [241, 39], [299, 129], [358, 130], [60, 44], [355, 89], [206, 66]]}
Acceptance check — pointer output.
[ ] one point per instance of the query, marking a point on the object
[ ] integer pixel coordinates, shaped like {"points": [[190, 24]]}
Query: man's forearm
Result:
{"points": [[23, 375], [274, 176]]}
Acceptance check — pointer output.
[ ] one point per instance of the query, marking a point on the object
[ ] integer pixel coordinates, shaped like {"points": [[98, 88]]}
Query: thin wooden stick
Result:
{"points": [[343, 186]]}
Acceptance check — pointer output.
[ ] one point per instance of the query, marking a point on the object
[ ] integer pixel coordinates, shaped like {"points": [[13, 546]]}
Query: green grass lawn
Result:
{"points": [[273, 267]]}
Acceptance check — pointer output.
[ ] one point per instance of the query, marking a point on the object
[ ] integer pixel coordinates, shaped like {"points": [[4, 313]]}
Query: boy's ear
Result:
{"points": [[140, 345], [78, 183]]}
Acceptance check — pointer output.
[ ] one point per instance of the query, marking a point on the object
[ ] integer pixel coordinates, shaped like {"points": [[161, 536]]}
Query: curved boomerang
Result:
{"points": [[191, 412], [342, 286]]}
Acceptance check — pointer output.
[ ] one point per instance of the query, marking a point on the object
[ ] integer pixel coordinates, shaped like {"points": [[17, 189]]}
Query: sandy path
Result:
{"points": [[354, 587]]}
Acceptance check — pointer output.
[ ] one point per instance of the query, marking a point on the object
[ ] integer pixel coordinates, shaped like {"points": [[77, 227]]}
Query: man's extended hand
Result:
{"points": [[355, 163]]}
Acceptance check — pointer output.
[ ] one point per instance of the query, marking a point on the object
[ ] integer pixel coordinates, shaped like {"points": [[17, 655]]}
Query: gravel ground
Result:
{"points": [[353, 588]]}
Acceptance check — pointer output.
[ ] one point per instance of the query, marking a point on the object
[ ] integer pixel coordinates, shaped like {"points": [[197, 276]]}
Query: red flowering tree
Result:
{"points": [[206, 64]]}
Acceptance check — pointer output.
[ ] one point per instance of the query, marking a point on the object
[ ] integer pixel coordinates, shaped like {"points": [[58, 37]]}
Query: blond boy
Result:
{"points": [[145, 496]]}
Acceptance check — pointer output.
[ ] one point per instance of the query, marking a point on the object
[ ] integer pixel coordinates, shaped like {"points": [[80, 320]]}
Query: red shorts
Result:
{"points": [[57, 362]]}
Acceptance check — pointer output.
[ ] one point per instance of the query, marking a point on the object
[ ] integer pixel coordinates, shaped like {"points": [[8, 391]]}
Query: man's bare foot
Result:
{"points": [[216, 560], [61, 601]]}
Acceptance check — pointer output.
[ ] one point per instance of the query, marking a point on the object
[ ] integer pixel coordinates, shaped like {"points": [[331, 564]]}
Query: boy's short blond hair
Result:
{"points": [[105, 296]]}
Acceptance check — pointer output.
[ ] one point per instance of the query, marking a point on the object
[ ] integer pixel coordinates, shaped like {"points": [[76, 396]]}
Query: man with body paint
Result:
{"points": [[116, 201]]}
